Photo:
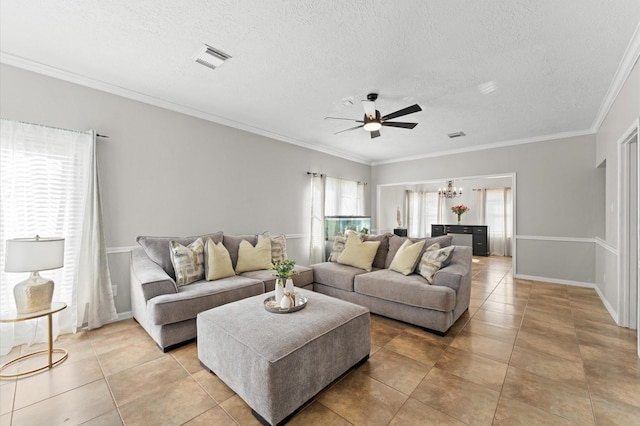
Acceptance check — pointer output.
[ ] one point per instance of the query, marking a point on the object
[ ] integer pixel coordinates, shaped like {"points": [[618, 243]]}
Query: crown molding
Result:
{"points": [[629, 60], [494, 145], [82, 80]]}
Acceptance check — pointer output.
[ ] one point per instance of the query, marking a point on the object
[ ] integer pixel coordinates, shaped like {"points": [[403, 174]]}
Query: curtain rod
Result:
{"points": [[57, 128], [316, 174]]}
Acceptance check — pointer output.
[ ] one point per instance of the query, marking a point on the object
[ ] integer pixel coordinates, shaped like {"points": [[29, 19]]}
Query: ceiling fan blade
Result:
{"points": [[369, 108], [399, 124], [408, 110], [340, 118], [351, 128], [375, 134]]}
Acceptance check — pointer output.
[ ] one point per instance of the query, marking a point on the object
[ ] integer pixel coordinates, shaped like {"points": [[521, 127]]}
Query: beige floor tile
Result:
{"points": [[605, 329], [5, 419], [622, 343], [363, 400], [511, 412], [504, 308], [475, 368], [417, 348], [510, 299], [413, 412], [7, 394], [481, 345], [619, 382], [213, 385], [55, 381], [174, 404], [497, 318], [239, 411], [112, 341], [395, 370], [135, 382], [498, 332], [457, 397], [214, 416], [562, 317], [564, 348], [317, 414], [557, 397], [111, 418], [382, 332], [187, 356], [120, 359], [116, 328], [69, 408], [615, 413], [549, 366]]}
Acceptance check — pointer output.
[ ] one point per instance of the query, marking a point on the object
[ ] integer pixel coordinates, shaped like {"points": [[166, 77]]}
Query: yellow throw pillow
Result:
{"points": [[406, 257], [252, 258], [358, 253], [218, 261]]}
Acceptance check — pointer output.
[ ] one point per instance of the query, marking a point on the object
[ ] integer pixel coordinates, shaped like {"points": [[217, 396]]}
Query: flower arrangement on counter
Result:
{"points": [[459, 210]]}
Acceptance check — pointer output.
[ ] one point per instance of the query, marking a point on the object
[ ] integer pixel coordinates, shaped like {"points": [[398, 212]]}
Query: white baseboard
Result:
{"points": [[554, 281], [124, 315], [607, 305]]}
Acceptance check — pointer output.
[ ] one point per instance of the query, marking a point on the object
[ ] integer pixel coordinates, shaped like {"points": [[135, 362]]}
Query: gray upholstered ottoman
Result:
{"points": [[278, 362]]}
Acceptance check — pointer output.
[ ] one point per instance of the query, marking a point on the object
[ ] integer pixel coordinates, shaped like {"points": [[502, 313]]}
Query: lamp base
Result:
{"points": [[33, 294]]}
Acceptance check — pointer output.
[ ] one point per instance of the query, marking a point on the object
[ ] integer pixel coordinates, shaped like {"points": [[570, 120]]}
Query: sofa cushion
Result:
{"points": [[217, 262], [381, 254], [232, 243], [409, 290], [187, 261], [252, 258], [200, 296], [395, 242], [303, 277], [278, 248], [358, 253], [157, 248], [433, 259], [335, 275], [406, 257]]}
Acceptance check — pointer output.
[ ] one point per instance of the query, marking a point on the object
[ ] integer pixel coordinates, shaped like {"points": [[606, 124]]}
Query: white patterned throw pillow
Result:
{"points": [[432, 260], [188, 262]]}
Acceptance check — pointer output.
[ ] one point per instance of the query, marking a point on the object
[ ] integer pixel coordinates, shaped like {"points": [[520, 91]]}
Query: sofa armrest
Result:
{"points": [[458, 273], [149, 277]]}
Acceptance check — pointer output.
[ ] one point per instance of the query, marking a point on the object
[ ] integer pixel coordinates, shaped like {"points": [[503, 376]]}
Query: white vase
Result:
{"points": [[289, 286], [279, 290]]}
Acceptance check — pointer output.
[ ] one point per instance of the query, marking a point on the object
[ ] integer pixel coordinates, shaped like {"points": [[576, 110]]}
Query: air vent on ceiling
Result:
{"points": [[456, 134], [210, 57]]}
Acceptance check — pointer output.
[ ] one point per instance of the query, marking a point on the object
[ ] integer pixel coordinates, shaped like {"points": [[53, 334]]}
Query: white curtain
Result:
{"points": [[498, 216], [316, 249], [343, 197], [48, 187], [423, 210]]}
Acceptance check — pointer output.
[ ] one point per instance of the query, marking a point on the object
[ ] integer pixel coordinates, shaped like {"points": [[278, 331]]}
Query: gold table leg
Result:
{"points": [[50, 351]]}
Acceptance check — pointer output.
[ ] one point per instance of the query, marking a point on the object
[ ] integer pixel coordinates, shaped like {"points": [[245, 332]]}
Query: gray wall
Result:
{"points": [[558, 195], [165, 173]]}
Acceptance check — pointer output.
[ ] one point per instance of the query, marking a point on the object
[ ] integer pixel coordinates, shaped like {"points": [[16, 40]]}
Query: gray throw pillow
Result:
{"points": [[157, 248]]}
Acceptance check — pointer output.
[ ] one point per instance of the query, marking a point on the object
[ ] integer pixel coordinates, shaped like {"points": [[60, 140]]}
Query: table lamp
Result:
{"points": [[33, 255]]}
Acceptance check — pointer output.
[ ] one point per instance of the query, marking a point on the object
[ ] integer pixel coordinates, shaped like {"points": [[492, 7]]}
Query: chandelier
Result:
{"points": [[450, 191]]}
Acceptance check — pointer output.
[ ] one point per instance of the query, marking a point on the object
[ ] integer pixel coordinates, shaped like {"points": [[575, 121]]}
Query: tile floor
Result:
{"points": [[526, 353]]}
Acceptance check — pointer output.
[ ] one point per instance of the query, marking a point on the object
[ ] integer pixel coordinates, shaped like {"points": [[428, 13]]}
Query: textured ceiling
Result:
{"points": [[550, 62]]}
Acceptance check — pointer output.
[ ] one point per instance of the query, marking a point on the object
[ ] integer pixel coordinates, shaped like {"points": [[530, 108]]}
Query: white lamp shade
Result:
{"points": [[34, 254]]}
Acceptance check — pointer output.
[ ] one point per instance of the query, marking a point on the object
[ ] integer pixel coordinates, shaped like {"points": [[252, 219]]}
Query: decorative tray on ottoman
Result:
{"points": [[271, 305]]}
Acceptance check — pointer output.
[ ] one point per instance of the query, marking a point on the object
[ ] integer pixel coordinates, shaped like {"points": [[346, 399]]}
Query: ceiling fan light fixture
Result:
{"points": [[372, 126], [210, 57]]}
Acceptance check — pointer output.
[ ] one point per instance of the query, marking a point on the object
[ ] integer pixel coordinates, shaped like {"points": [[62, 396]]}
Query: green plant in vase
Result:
{"points": [[460, 210], [283, 270]]}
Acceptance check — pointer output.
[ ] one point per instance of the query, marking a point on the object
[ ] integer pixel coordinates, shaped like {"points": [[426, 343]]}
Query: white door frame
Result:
{"points": [[624, 176]]}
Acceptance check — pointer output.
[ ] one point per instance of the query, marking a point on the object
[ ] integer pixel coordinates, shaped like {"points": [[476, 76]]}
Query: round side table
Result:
{"points": [[15, 317]]}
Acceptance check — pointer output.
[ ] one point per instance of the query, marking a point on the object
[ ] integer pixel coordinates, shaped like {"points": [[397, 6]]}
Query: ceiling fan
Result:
{"points": [[372, 121]]}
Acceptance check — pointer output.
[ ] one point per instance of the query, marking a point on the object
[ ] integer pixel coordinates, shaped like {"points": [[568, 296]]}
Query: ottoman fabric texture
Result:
{"points": [[277, 362]]}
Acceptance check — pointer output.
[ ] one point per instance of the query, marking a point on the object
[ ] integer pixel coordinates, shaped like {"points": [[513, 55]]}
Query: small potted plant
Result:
{"points": [[459, 210], [283, 270]]}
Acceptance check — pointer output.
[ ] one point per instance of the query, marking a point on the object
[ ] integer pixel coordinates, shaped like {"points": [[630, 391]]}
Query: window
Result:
{"points": [[422, 211]]}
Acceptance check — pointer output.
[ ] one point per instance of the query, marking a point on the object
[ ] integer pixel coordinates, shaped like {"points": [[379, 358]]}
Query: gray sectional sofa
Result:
{"points": [[168, 311], [406, 298]]}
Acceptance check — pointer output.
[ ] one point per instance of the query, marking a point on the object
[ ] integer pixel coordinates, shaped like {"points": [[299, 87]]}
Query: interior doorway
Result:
{"points": [[629, 231]]}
